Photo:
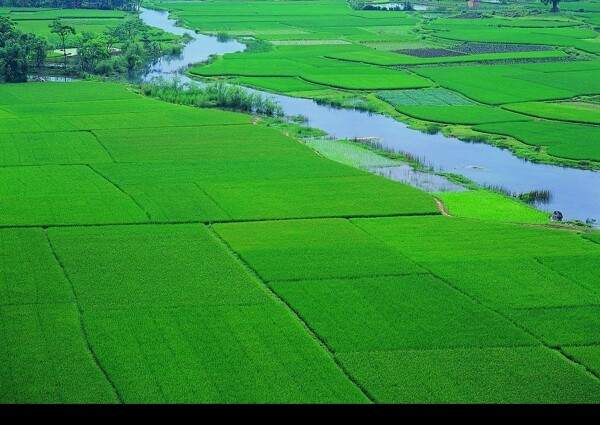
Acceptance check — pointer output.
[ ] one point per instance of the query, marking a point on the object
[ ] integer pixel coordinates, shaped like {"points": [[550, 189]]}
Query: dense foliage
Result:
{"points": [[75, 4], [19, 52], [212, 95]]}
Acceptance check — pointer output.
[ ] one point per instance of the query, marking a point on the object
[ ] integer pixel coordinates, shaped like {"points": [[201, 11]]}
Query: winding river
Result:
{"points": [[574, 192]]}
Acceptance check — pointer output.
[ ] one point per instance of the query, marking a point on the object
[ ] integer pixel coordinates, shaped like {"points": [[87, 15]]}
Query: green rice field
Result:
{"points": [[159, 253]]}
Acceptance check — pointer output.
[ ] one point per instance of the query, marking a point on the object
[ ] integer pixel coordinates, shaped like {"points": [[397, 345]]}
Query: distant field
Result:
{"points": [[561, 139], [519, 60], [37, 20], [581, 112]]}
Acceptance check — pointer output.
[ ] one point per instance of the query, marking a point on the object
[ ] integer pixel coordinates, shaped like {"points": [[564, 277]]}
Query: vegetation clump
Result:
{"points": [[212, 95]]}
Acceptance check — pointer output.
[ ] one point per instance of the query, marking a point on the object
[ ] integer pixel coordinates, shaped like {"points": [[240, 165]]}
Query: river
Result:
{"points": [[576, 193]]}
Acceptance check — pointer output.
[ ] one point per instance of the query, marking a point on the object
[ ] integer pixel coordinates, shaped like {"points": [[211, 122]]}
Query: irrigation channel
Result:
{"points": [[576, 193]]}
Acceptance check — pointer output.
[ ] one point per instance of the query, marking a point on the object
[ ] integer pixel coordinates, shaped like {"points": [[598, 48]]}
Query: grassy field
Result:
{"points": [[158, 253], [38, 20]]}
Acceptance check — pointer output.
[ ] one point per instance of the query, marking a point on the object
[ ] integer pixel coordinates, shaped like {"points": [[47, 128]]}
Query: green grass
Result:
{"points": [[563, 140], [312, 249], [278, 84], [427, 239], [365, 195], [76, 147], [41, 282], [55, 195], [491, 206], [226, 354], [512, 283], [490, 375], [494, 84], [45, 358], [563, 325], [577, 267], [198, 143], [587, 113], [414, 311], [469, 115], [143, 262], [588, 356]]}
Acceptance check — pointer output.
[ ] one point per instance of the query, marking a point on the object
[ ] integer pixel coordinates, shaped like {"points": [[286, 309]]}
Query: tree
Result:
{"points": [[63, 30], [13, 62], [129, 28], [37, 48], [91, 51], [554, 4], [16, 49]]}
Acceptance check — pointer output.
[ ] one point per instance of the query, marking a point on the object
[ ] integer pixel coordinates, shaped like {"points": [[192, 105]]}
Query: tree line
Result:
{"points": [[97, 54], [133, 5], [19, 52]]}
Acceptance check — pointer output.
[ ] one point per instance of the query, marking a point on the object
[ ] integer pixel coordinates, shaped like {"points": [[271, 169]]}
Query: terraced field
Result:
{"points": [[160, 253], [325, 50]]}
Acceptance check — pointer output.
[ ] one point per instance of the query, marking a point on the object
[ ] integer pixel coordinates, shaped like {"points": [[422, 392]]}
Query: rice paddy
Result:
{"points": [[159, 253]]}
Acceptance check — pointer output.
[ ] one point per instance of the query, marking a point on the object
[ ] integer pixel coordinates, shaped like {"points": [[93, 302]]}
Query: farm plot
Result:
{"points": [[313, 70], [323, 197], [589, 356], [176, 193], [160, 318], [577, 268], [388, 59], [468, 115], [563, 325], [41, 282], [489, 375], [490, 268], [429, 97], [279, 84], [564, 37], [581, 112], [561, 139], [45, 358], [312, 249], [199, 143], [16, 95], [58, 195], [75, 147], [494, 84], [486, 205], [474, 48], [206, 274], [512, 283], [414, 311], [225, 354]]}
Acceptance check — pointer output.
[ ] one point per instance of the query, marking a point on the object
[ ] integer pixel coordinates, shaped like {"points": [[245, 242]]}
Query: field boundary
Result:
{"points": [[121, 190], [110, 155], [294, 313], [81, 323], [556, 349]]}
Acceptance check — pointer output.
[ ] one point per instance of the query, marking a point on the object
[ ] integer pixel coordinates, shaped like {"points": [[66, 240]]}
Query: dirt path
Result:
{"points": [[442, 207]]}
